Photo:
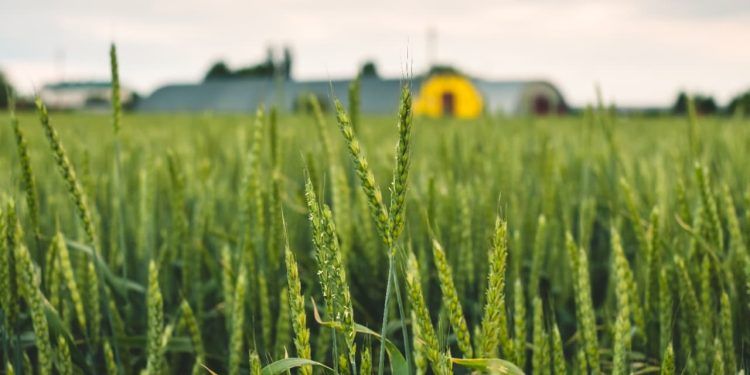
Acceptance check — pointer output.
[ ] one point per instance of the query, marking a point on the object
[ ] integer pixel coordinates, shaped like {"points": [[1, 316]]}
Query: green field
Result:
{"points": [[587, 243]]}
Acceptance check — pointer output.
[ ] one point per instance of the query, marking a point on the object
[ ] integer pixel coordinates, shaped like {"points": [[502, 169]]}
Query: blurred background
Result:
{"points": [[641, 53]]}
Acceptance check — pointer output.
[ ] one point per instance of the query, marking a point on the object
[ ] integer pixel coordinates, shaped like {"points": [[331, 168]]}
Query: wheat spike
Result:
{"points": [[154, 303], [69, 276], [431, 347], [540, 358], [401, 170], [68, 173], [29, 182], [709, 202], [558, 355], [109, 359], [282, 324], [727, 334], [539, 251], [191, 323], [519, 324], [35, 301], [450, 300], [494, 320], [297, 307], [238, 324], [64, 362], [255, 365], [366, 177]]}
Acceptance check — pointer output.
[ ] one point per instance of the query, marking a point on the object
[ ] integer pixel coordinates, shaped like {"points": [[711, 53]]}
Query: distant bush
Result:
{"points": [[267, 68], [704, 104], [5, 89], [369, 69], [740, 103]]}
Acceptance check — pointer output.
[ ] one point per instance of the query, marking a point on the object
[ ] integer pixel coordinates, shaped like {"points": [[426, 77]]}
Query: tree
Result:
{"points": [[264, 69], [444, 69], [286, 64], [740, 103], [268, 68], [221, 70], [680, 105], [704, 104], [369, 69], [218, 70], [6, 89]]}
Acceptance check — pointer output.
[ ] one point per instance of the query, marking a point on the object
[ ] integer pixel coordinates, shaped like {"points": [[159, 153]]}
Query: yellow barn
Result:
{"points": [[452, 95], [448, 95]]}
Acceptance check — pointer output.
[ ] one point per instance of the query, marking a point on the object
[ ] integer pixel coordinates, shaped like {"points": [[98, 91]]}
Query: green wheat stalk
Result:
{"points": [[29, 182], [653, 261], [93, 301], [635, 218], [717, 365], [70, 280], [519, 324], [450, 300], [227, 280], [665, 311], [584, 304], [331, 269], [254, 362], [6, 298], [264, 305], [109, 359], [12, 239], [494, 320], [238, 322], [35, 300], [116, 102], [736, 240], [52, 276], [558, 355], [68, 173], [540, 360], [709, 201], [297, 307], [282, 323], [430, 344], [366, 177], [194, 331], [365, 360], [154, 303], [538, 254], [118, 215], [401, 169], [726, 333], [64, 361]]}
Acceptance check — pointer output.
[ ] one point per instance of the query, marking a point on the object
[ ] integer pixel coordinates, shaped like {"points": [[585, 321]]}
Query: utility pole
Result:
{"points": [[431, 47]]}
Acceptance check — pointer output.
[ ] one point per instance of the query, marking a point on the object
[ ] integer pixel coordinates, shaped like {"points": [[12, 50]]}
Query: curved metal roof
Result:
{"points": [[378, 95]]}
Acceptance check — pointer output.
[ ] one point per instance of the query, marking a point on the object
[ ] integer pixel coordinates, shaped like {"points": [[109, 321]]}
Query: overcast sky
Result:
{"points": [[641, 52]]}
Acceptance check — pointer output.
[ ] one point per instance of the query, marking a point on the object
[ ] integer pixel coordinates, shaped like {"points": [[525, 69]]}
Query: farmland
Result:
{"points": [[576, 244]]}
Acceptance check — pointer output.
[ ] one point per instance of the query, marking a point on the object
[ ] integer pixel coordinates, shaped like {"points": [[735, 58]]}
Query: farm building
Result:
{"points": [[437, 95], [81, 95]]}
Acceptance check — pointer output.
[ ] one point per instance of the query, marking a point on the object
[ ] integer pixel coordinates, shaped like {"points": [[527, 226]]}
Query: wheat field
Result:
{"points": [[306, 243]]}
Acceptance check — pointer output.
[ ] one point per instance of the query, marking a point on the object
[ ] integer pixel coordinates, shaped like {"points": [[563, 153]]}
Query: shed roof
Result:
{"points": [[244, 95], [378, 95], [65, 85]]}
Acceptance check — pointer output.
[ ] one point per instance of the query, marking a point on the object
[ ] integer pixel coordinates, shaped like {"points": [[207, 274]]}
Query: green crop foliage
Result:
{"points": [[254, 243]]}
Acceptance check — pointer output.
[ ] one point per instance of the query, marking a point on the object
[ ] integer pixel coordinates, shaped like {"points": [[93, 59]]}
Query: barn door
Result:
{"points": [[542, 105], [449, 104]]}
